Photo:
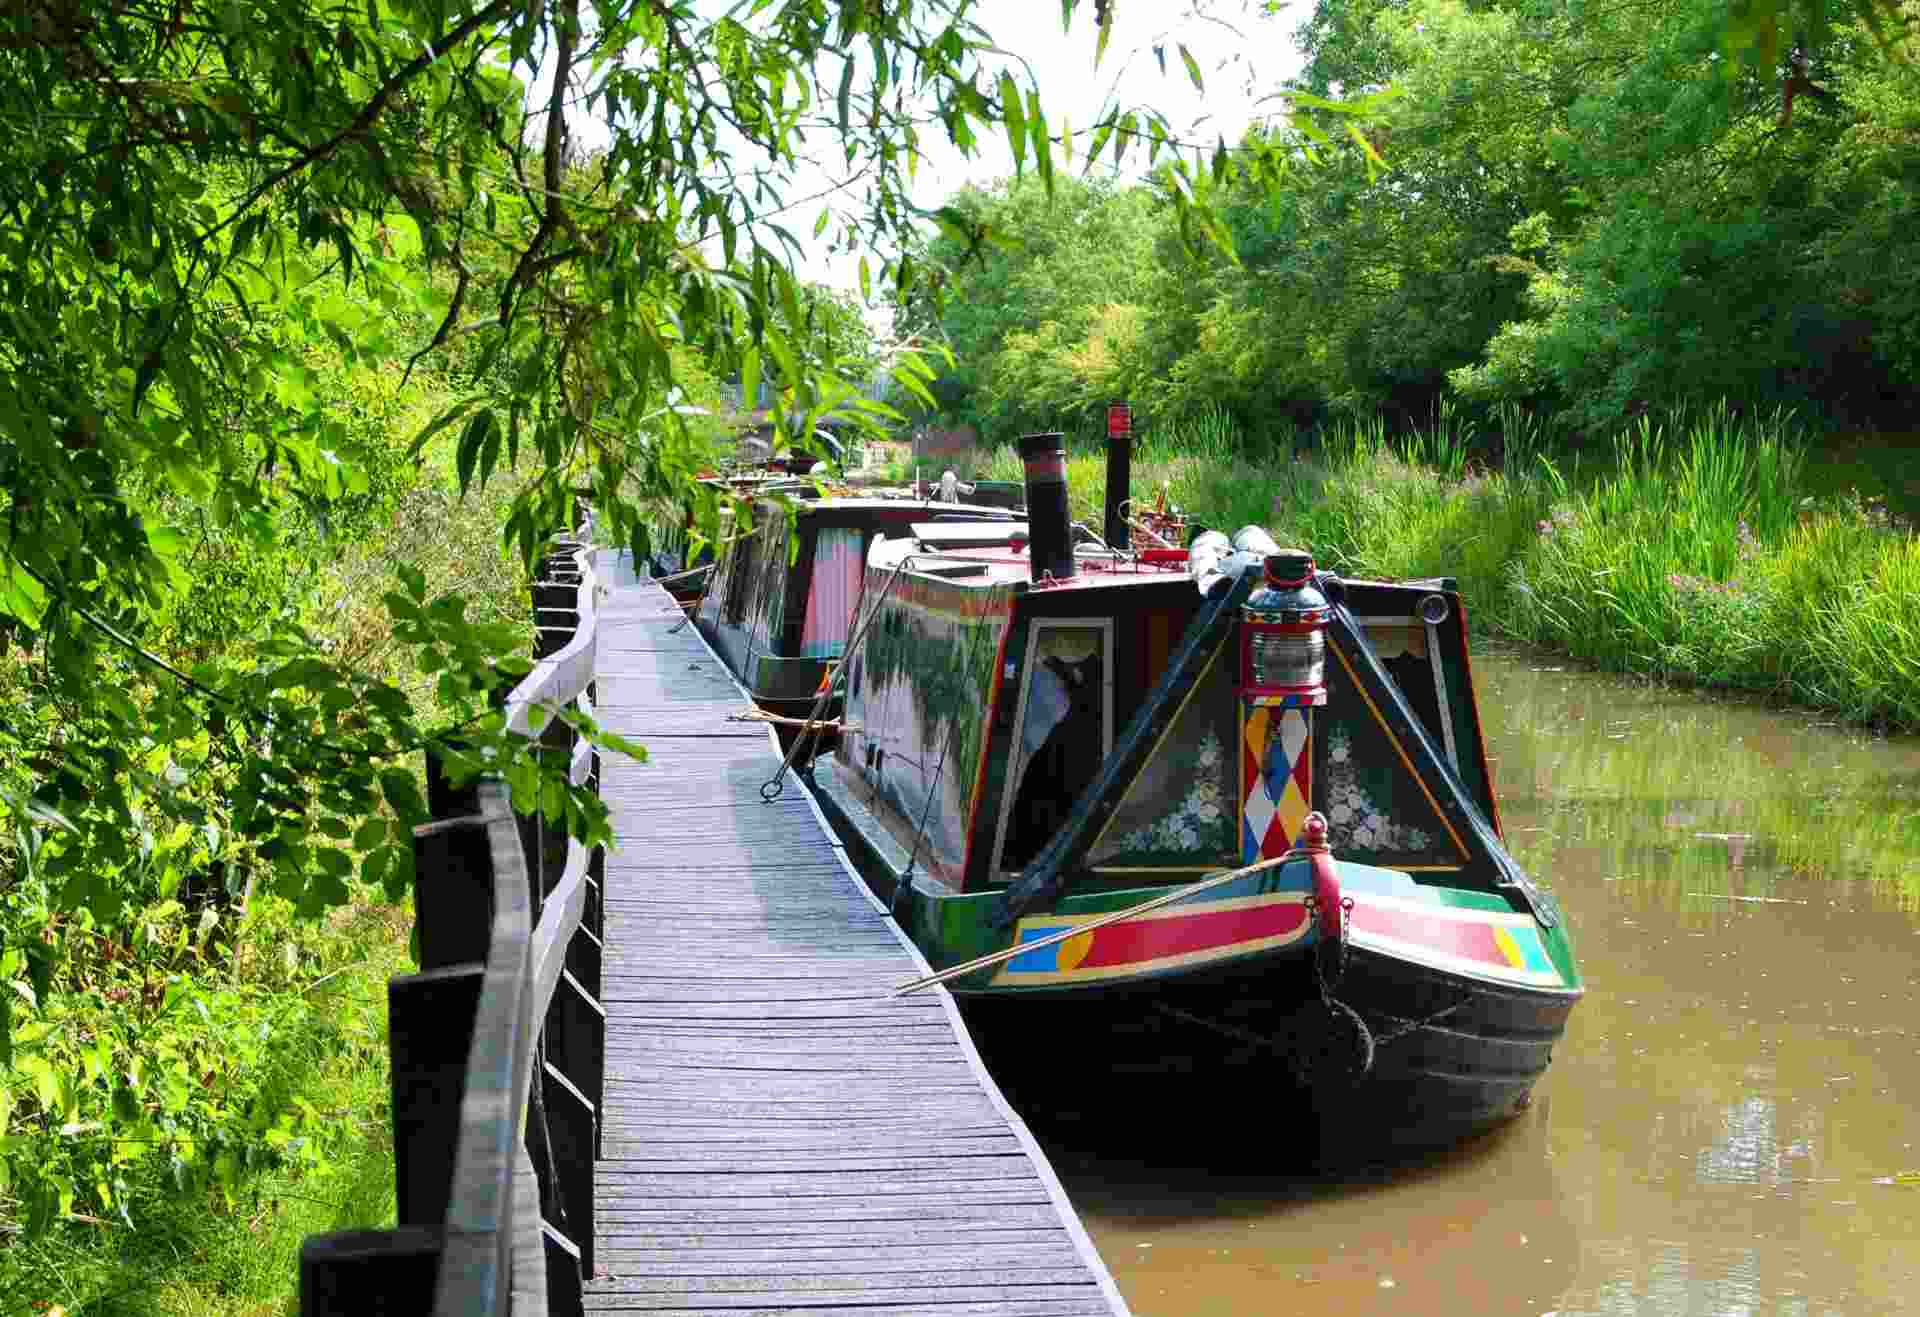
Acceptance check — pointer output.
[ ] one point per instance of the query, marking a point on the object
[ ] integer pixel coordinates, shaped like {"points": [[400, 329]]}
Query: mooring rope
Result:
{"points": [[906, 877]]}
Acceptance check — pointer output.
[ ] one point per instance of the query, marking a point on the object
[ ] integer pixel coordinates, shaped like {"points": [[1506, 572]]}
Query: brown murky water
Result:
{"points": [[1721, 1128]]}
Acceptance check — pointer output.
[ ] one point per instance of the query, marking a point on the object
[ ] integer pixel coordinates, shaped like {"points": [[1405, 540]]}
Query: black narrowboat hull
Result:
{"points": [[1444, 1056]]}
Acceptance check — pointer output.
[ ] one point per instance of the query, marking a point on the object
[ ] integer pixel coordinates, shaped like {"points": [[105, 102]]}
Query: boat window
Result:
{"points": [[733, 603], [770, 586], [837, 565], [1064, 732]]}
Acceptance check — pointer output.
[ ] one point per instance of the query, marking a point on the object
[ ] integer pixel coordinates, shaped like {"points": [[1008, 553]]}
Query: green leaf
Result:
{"points": [[750, 378], [1193, 68], [402, 796], [453, 414], [414, 579], [1015, 120], [1042, 143], [615, 741], [480, 429], [21, 596]]}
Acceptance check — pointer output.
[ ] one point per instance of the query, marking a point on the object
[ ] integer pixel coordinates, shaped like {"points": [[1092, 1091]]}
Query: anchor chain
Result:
{"points": [[1345, 1048]]}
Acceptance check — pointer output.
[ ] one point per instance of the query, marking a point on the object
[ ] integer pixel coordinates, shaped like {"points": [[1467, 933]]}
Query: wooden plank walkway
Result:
{"points": [[781, 1135]]}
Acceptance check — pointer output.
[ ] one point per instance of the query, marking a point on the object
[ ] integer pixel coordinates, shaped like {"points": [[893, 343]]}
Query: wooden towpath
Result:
{"points": [[780, 1134]]}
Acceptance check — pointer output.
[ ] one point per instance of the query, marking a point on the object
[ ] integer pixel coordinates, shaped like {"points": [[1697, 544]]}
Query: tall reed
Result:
{"points": [[1688, 550]]}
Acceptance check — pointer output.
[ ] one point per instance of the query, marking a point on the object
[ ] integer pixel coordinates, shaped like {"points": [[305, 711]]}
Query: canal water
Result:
{"points": [[1725, 1127]]}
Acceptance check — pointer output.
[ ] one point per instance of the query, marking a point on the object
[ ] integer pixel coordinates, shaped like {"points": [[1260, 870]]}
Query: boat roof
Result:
{"points": [[965, 514], [809, 503], [982, 556]]}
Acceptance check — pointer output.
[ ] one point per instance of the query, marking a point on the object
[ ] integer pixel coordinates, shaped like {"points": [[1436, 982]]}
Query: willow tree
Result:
{"points": [[577, 204]]}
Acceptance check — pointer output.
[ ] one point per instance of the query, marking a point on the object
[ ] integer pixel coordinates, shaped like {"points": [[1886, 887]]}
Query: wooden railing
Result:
{"points": [[498, 1044]]}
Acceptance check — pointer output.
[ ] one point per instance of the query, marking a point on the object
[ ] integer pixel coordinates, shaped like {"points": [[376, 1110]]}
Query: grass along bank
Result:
{"points": [[1689, 549], [277, 1017], [191, 1092]]}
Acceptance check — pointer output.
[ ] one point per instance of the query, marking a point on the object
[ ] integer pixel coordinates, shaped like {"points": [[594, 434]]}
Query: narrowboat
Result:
{"points": [[779, 600], [681, 560], [1279, 772]]}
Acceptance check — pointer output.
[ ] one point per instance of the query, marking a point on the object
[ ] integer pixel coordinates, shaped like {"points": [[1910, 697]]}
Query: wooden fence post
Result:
{"points": [[452, 875], [429, 1035], [369, 1273], [467, 877]]}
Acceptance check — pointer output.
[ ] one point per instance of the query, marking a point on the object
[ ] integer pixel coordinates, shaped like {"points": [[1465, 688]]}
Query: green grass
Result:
{"points": [[1693, 549], [237, 1254], [318, 989]]}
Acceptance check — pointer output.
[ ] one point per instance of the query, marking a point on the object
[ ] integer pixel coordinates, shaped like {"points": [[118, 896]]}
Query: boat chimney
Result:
{"points": [[1051, 545], [1119, 475]]}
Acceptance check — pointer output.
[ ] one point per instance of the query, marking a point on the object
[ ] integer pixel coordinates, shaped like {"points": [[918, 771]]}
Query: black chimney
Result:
{"points": [[1119, 474], [1050, 546]]}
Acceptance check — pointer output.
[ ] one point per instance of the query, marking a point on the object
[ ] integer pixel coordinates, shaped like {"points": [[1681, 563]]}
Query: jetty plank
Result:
{"points": [[781, 1134]]}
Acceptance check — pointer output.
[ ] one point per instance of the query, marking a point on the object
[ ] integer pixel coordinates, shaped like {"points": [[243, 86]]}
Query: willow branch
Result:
{"points": [[372, 110]]}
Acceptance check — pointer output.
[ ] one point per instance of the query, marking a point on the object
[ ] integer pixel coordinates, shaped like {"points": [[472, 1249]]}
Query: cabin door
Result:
{"points": [[1063, 731]]}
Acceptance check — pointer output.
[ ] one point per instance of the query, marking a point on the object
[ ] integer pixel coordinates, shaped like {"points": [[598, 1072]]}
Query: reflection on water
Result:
{"points": [[1744, 887]]}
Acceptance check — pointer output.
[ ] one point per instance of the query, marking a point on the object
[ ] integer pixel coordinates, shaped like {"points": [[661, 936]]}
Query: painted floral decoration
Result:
{"points": [[1195, 824], [1354, 821]]}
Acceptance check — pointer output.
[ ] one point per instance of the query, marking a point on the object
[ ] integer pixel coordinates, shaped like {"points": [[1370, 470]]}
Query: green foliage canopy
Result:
{"points": [[1592, 209]]}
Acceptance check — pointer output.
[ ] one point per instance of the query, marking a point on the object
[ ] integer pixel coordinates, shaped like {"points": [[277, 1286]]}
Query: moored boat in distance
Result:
{"points": [[779, 600], [1281, 773]]}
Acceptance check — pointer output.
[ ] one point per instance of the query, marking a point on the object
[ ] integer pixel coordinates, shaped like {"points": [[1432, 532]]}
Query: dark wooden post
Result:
{"points": [[452, 874], [369, 1273], [429, 1035]]}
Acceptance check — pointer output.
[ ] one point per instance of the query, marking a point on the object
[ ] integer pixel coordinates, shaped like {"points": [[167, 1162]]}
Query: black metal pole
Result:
{"points": [[1119, 474]]}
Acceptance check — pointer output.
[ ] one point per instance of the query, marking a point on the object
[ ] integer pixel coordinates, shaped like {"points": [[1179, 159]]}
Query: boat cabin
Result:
{"points": [[781, 598], [983, 704]]}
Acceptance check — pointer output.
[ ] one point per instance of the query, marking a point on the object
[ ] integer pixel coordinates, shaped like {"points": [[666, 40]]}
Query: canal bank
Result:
{"points": [[1711, 551], [1721, 1127]]}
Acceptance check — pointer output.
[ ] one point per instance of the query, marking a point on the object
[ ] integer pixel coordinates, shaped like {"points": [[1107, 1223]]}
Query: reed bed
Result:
{"points": [[1687, 549]]}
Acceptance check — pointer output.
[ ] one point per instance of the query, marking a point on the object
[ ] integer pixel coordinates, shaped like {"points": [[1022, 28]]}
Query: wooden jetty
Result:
{"points": [[708, 1009], [782, 1135]]}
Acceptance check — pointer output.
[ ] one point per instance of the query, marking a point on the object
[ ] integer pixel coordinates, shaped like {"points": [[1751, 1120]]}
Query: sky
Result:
{"points": [[1242, 56]]}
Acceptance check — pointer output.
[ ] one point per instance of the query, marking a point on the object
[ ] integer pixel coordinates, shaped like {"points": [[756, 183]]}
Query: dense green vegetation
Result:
{"points": [[1689, 550], [1600, 339], [1590, 209], [308, 310]]}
